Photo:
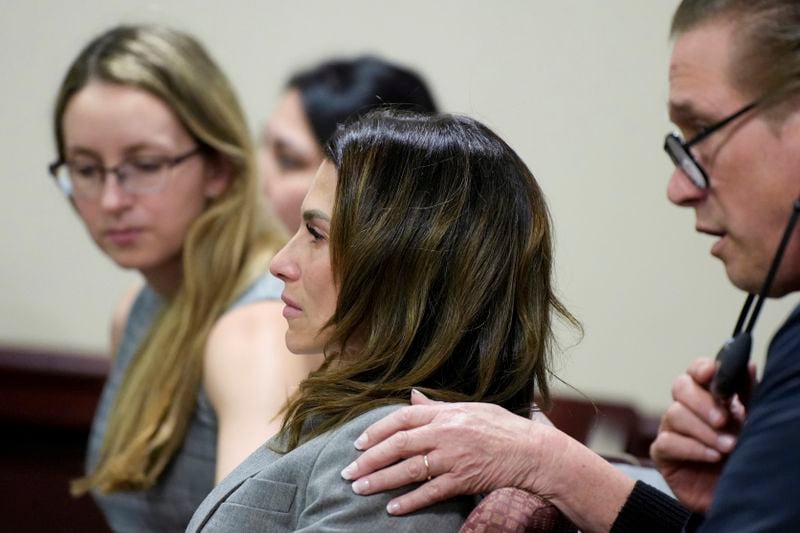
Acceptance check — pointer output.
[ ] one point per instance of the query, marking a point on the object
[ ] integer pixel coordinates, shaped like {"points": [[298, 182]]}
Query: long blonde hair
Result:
{"points": [[226, 248]]}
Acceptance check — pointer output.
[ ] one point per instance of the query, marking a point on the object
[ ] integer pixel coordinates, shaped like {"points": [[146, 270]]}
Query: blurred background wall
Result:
{"points": [[577, 87]]}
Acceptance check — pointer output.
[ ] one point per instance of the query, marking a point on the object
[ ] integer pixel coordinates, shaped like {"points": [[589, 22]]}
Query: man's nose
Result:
{"points": [[682, 191]]}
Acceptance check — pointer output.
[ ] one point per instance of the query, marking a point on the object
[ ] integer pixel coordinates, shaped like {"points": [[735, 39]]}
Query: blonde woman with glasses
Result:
{"points": [[155, 157]]}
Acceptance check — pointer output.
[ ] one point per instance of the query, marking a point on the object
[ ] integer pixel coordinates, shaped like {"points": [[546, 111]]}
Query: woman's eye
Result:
{"points": [[289, 163], [85, 171], [146, 166], [314, 233]]}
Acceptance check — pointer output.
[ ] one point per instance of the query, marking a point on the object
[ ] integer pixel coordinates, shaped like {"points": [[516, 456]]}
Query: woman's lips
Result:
{"points": [[292, 309], [123, 236]]}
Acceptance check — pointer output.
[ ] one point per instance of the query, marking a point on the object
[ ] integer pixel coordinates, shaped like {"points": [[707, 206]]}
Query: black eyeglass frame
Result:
{"points": [[679, 151], [69, 191]]}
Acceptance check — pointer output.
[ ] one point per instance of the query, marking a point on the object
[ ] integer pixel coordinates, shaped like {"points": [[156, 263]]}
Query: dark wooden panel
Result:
{"points": [[47, 401], [579, 418]]}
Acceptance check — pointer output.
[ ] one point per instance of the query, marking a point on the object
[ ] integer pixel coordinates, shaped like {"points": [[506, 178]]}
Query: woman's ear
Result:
{"points": [[219, 175]]}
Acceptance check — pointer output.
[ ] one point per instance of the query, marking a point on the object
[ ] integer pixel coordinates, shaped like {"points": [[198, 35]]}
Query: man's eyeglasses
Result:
{"points": [[680, 153], [84, 178]]}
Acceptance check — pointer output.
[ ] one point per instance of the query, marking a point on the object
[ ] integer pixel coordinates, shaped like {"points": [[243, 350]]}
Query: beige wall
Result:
{"points": [[578, 87]]}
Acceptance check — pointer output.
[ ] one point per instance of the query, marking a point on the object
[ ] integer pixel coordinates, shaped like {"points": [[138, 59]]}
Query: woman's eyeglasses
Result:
{"points": [[85, 178]]}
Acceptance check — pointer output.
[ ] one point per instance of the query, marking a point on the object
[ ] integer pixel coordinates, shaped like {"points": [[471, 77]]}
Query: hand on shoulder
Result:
{"points": [[474, 448]]}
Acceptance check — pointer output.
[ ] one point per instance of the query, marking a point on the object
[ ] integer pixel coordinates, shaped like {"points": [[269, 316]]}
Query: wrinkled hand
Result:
{"points": [[471, 448], [695, 436]]}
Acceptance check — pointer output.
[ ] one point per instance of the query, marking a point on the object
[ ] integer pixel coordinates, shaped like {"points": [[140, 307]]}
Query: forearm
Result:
{"points": [[583, 485]]}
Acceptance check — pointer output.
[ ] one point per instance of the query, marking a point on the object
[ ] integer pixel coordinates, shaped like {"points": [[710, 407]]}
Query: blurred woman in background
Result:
{"points": [[315, 102]]}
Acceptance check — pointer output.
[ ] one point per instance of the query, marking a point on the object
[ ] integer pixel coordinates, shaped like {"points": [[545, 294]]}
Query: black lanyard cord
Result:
{"points": [[731, 375]]}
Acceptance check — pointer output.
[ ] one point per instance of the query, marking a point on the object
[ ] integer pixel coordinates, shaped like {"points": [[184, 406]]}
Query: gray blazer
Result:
{"points": [[303, 491]]}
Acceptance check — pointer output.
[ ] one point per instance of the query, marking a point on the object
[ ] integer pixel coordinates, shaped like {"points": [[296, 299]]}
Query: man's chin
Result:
{"points": [[746, 281], [753, 283]]}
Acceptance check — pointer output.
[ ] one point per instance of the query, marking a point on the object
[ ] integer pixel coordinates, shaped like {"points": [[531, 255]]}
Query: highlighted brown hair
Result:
{"points": [[441, 247]]}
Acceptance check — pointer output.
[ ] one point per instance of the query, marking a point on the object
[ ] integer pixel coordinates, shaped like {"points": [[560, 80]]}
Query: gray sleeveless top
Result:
{"points": [[189, 477]]}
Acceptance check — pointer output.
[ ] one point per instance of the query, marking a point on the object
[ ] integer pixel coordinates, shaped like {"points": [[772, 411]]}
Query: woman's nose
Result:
{"points": [[283, 266], [113, 195]]}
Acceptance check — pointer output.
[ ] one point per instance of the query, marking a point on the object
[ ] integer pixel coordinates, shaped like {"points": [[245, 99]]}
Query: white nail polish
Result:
{"points": [[361, 441], [349, 470], [360, 486]]}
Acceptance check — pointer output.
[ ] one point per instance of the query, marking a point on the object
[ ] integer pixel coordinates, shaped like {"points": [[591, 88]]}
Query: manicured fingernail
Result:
{"points": [[726, 442], [349, 470], [393, 508], [360, 486], [712, 454], [715, 417], [361, 441], [415, 392]]}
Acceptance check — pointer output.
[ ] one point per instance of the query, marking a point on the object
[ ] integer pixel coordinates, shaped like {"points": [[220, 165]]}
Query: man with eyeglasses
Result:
{"points": [[734, 79], [735, 97]]}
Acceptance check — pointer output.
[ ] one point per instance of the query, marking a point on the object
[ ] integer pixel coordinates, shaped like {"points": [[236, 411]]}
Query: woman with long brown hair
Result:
{"points": [[424, 262], [155, 157]]}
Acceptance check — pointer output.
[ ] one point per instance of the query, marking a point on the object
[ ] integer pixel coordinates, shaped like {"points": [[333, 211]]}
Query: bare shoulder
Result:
{"points": [[120, 315], [250, 341], [248, 375], [243, 380], [246, 329]]}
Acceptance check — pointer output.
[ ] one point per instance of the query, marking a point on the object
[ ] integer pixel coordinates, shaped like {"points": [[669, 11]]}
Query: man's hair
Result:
{"points": [[441, 248], [766, 55]]}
